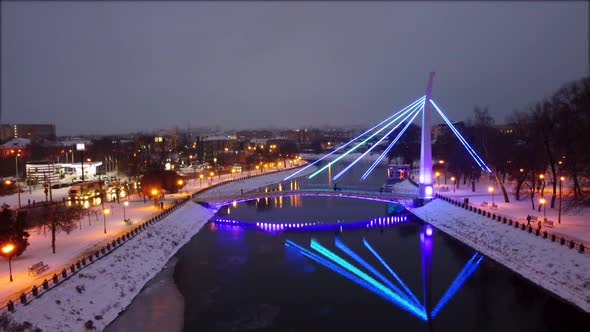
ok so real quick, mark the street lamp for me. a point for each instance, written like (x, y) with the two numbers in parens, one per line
(7, 251)
(542, 201)
(453, 179)
(105, 211)
(154, 193)
(81, 147)
(17, 183)
(442, 162)
(201, 176)
(491, 190)
(437, 174)
(125, 204)
(561, 179)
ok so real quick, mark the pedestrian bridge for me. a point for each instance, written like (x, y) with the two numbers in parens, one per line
(404, 198)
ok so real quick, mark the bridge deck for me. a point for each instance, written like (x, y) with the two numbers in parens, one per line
(362, 194)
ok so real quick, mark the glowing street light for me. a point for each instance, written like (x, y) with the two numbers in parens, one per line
(491, 190)
(201, 176)
(454, 184)
(542, 201)
(7, 250)
(437, 174)
(125, 204)
(561, 179)
(105, 211)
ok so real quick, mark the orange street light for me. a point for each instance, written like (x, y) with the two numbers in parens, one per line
(7, 250)
(561, 179)
(491, 190)
(454, 184)
(154, 192)
(542, 201)
(180, 182)
(522, 170)
(541, 176)
(7, 182)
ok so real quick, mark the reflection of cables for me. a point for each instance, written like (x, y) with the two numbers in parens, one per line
(340, 245)
(468, 147)
(463, 275)
(416, 109)
(399, 280)
(374, 165)
(354, 139)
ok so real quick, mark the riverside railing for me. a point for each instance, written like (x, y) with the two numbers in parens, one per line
(579, 246)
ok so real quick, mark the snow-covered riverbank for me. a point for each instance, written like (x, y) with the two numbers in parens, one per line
(563, 271)
(95, 296)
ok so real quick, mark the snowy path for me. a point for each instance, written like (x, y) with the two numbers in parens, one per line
(103, 289)
(556, 268)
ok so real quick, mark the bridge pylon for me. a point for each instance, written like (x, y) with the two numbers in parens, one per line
(425, 190)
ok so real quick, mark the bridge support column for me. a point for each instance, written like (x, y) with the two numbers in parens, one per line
(425, 177)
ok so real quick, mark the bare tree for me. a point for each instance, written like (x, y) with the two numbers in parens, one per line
(58, 217)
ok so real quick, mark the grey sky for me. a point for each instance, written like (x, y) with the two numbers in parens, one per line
(116, 67)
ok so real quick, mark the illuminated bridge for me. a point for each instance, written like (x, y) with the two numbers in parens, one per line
(401, 198)
(381, 131)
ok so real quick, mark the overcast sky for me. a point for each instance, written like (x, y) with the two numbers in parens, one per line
(98, 68)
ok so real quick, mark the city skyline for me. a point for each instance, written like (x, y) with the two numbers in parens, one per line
(112, 68)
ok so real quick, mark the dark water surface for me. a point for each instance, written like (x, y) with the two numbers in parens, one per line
(245, 279)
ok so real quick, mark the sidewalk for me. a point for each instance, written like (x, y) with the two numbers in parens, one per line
(575, 223)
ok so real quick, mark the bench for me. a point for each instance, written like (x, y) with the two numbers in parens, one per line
(548, 223)
(37, 268)
(484, 203)
(534, 218)
(494, 206)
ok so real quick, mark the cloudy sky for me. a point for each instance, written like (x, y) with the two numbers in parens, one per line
(117, 67)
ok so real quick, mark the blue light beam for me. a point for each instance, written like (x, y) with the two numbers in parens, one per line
(471, 151)
(401, 302)
(416, 109)
(390, 146)
(340, 245)
(395, 276)
(354, 139)
(350, 276)
(401, 113)
(465, 273)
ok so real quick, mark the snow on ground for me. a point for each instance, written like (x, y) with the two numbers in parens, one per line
(103, 289)
(575, 222)
(125, 271)
(86, 239)
(557, 268)
(405, 187)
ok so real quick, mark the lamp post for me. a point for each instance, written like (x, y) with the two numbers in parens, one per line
(542, 201)
(17, 183)
(442, 162)
(105, 211)
(201, 176)
(125, 204)
(561, 179)
(437, 174)
(7, 251)
(154, 193)
(491, 190)
(180, 182)
(453, 179)
(81, 147)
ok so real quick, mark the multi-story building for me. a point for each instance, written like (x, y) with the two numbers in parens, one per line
(31, 131)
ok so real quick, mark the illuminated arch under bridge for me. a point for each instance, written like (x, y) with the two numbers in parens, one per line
(379, 132)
